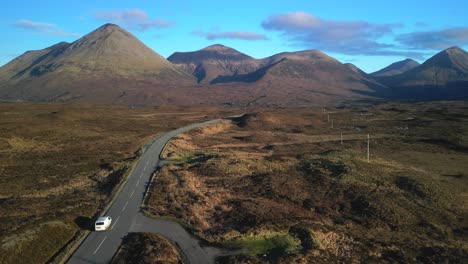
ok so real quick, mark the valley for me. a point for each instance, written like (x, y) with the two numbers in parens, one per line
(308, 159)
(272, 185)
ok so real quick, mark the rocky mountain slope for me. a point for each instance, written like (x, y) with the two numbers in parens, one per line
(94, 66)
(443, 76)
(213, 61)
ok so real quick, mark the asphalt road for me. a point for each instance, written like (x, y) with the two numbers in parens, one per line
(100, 247)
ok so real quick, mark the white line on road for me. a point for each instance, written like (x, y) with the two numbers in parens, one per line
(132, 193)
(137, 183)
(141, 174)
(125, 206)
(99, 245)
(115, 222)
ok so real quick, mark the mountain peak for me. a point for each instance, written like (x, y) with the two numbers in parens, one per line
(454, 51)
(107, 42)
(314, 54)
(108, 28)
(217, 47)
(216, 60)
(109, 25)
(396, 68)
(108, 49)
(453, 57)
(225, 51)
(214, 52)
(455, 48)
(307, 55)
(408, 60)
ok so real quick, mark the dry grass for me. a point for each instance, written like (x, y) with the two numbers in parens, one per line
(60, 164)
(278, 169)
(144, 248)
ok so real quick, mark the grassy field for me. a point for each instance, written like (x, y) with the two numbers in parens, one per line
(59, 165)
(272, 177)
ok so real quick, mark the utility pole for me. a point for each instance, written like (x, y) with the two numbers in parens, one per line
(368, 147)
(328, 116)
(341, 138)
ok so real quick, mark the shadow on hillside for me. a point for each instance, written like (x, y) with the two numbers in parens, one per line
(451, 91)
(245, 78)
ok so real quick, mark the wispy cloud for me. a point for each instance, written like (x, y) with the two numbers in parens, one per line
(132, 19)
(439, 39)
(43, 28)
(251, 36)
(345, 37)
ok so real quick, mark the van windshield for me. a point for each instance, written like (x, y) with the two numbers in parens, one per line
(100, 223)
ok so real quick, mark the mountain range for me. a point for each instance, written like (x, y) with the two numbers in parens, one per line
(110, 65)
(443, 76)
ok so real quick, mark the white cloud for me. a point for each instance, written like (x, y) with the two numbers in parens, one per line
(132, 19)
(43, 28)
(437, 39)
(353, 37)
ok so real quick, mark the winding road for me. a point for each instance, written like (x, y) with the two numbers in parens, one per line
(100, 247)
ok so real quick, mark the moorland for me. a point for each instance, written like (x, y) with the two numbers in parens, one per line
(295, 185)
(61, 164)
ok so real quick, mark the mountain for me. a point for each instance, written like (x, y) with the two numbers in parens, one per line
(291, 78)
(447, 66)
(301, 66)
(110, 65)
(355, 68)
(396, 68)
(443, 76)
(304, 77)
(213, 61)
(97, 66)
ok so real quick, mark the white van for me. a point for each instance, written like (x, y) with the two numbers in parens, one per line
(102, 223)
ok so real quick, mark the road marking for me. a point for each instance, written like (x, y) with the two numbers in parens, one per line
(99, 245)
(137, 183)
(132, 193)
(125, 206)
(115, 222)
(141, 175)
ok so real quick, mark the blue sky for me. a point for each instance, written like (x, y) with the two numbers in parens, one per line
(369, 34)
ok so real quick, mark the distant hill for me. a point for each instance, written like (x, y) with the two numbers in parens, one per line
(443, 76)
(213, 61)
(396, 68)
(305, 77)
(94, 67)
(447, 66)
(308, 76)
